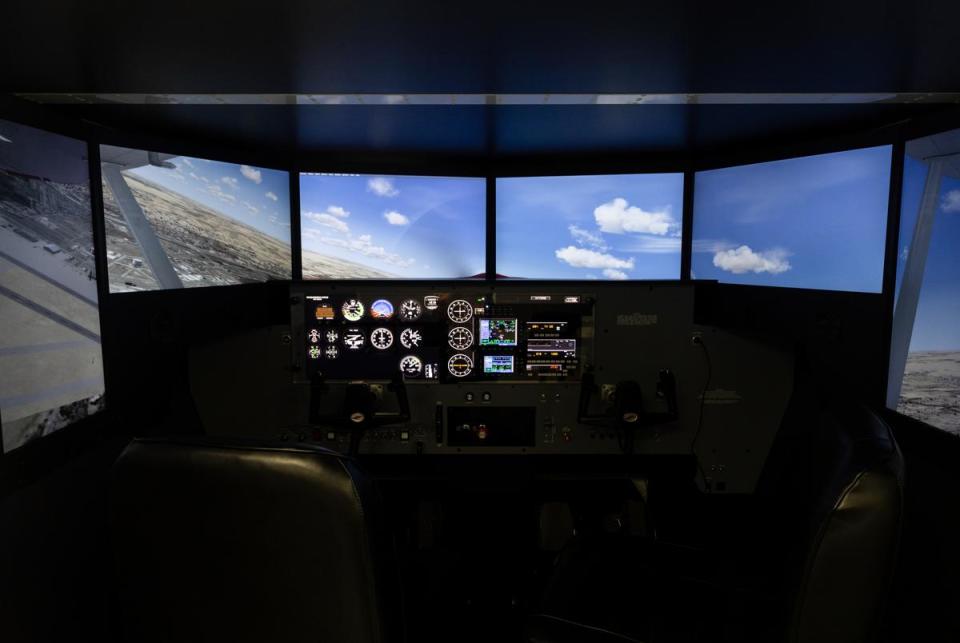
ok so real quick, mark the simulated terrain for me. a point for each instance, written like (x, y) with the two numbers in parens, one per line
(206, 247)
(931, 389)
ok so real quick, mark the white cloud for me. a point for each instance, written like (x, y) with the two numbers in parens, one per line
(186, 161)
(382, 187)
(251, 207)
(204, 179)
(364, 245)
(217, 191)
(193, 175)
(743, 259)
(711, 245)
(276, 221)
(619, 217)
(229, 180)
(251, 173)
(951, 201)
(587, 238)
(610, 273)
(337, 211)
(395, 218)
(584, 258)
(653, 245)
(271, 196)
(328, 220)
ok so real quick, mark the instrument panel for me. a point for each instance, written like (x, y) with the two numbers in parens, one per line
(442, 336)
(633, 353)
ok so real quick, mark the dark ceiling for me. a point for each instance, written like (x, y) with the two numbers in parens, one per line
(503, 47)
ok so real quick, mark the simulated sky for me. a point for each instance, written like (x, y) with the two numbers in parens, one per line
(618, 226)
(937, 323)
(810, 222)
(405, 226)
(255, 196)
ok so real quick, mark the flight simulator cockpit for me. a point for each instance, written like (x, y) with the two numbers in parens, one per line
(359, 397)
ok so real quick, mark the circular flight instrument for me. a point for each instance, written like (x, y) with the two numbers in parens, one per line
(410, 310)
(460, 365)
(331, 352)
(332, 336)
(381, 338)
(411, 338)
(381, 309)
(411, 366)
(353, 339)
(460, 338)
(460, 311)
(352, 310)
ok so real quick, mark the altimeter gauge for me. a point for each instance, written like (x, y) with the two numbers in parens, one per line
(410, 310)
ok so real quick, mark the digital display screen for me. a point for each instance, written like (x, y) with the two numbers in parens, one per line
(557, 347)
(811, 222)
(498, 332)
(495, 364)
(356, 226)
(924, 381)
(51, 363)
(610, 227)
(182, 222)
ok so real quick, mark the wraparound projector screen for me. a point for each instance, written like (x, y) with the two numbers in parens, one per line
(612, 226)
(51, 363)
(183, 222)
(357, 226)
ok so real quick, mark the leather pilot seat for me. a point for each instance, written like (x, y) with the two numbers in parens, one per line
(835, 508)
(234, 541)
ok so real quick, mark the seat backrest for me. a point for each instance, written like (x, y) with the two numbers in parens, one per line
(854, 528)
(230, 541)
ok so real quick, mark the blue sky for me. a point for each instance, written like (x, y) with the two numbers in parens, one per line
(937, 324)
(809, 222)
(407, 226)
(617, 226)
(255, 196)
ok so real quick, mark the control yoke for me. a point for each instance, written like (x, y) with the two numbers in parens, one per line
(358, 411)
(627, 414)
